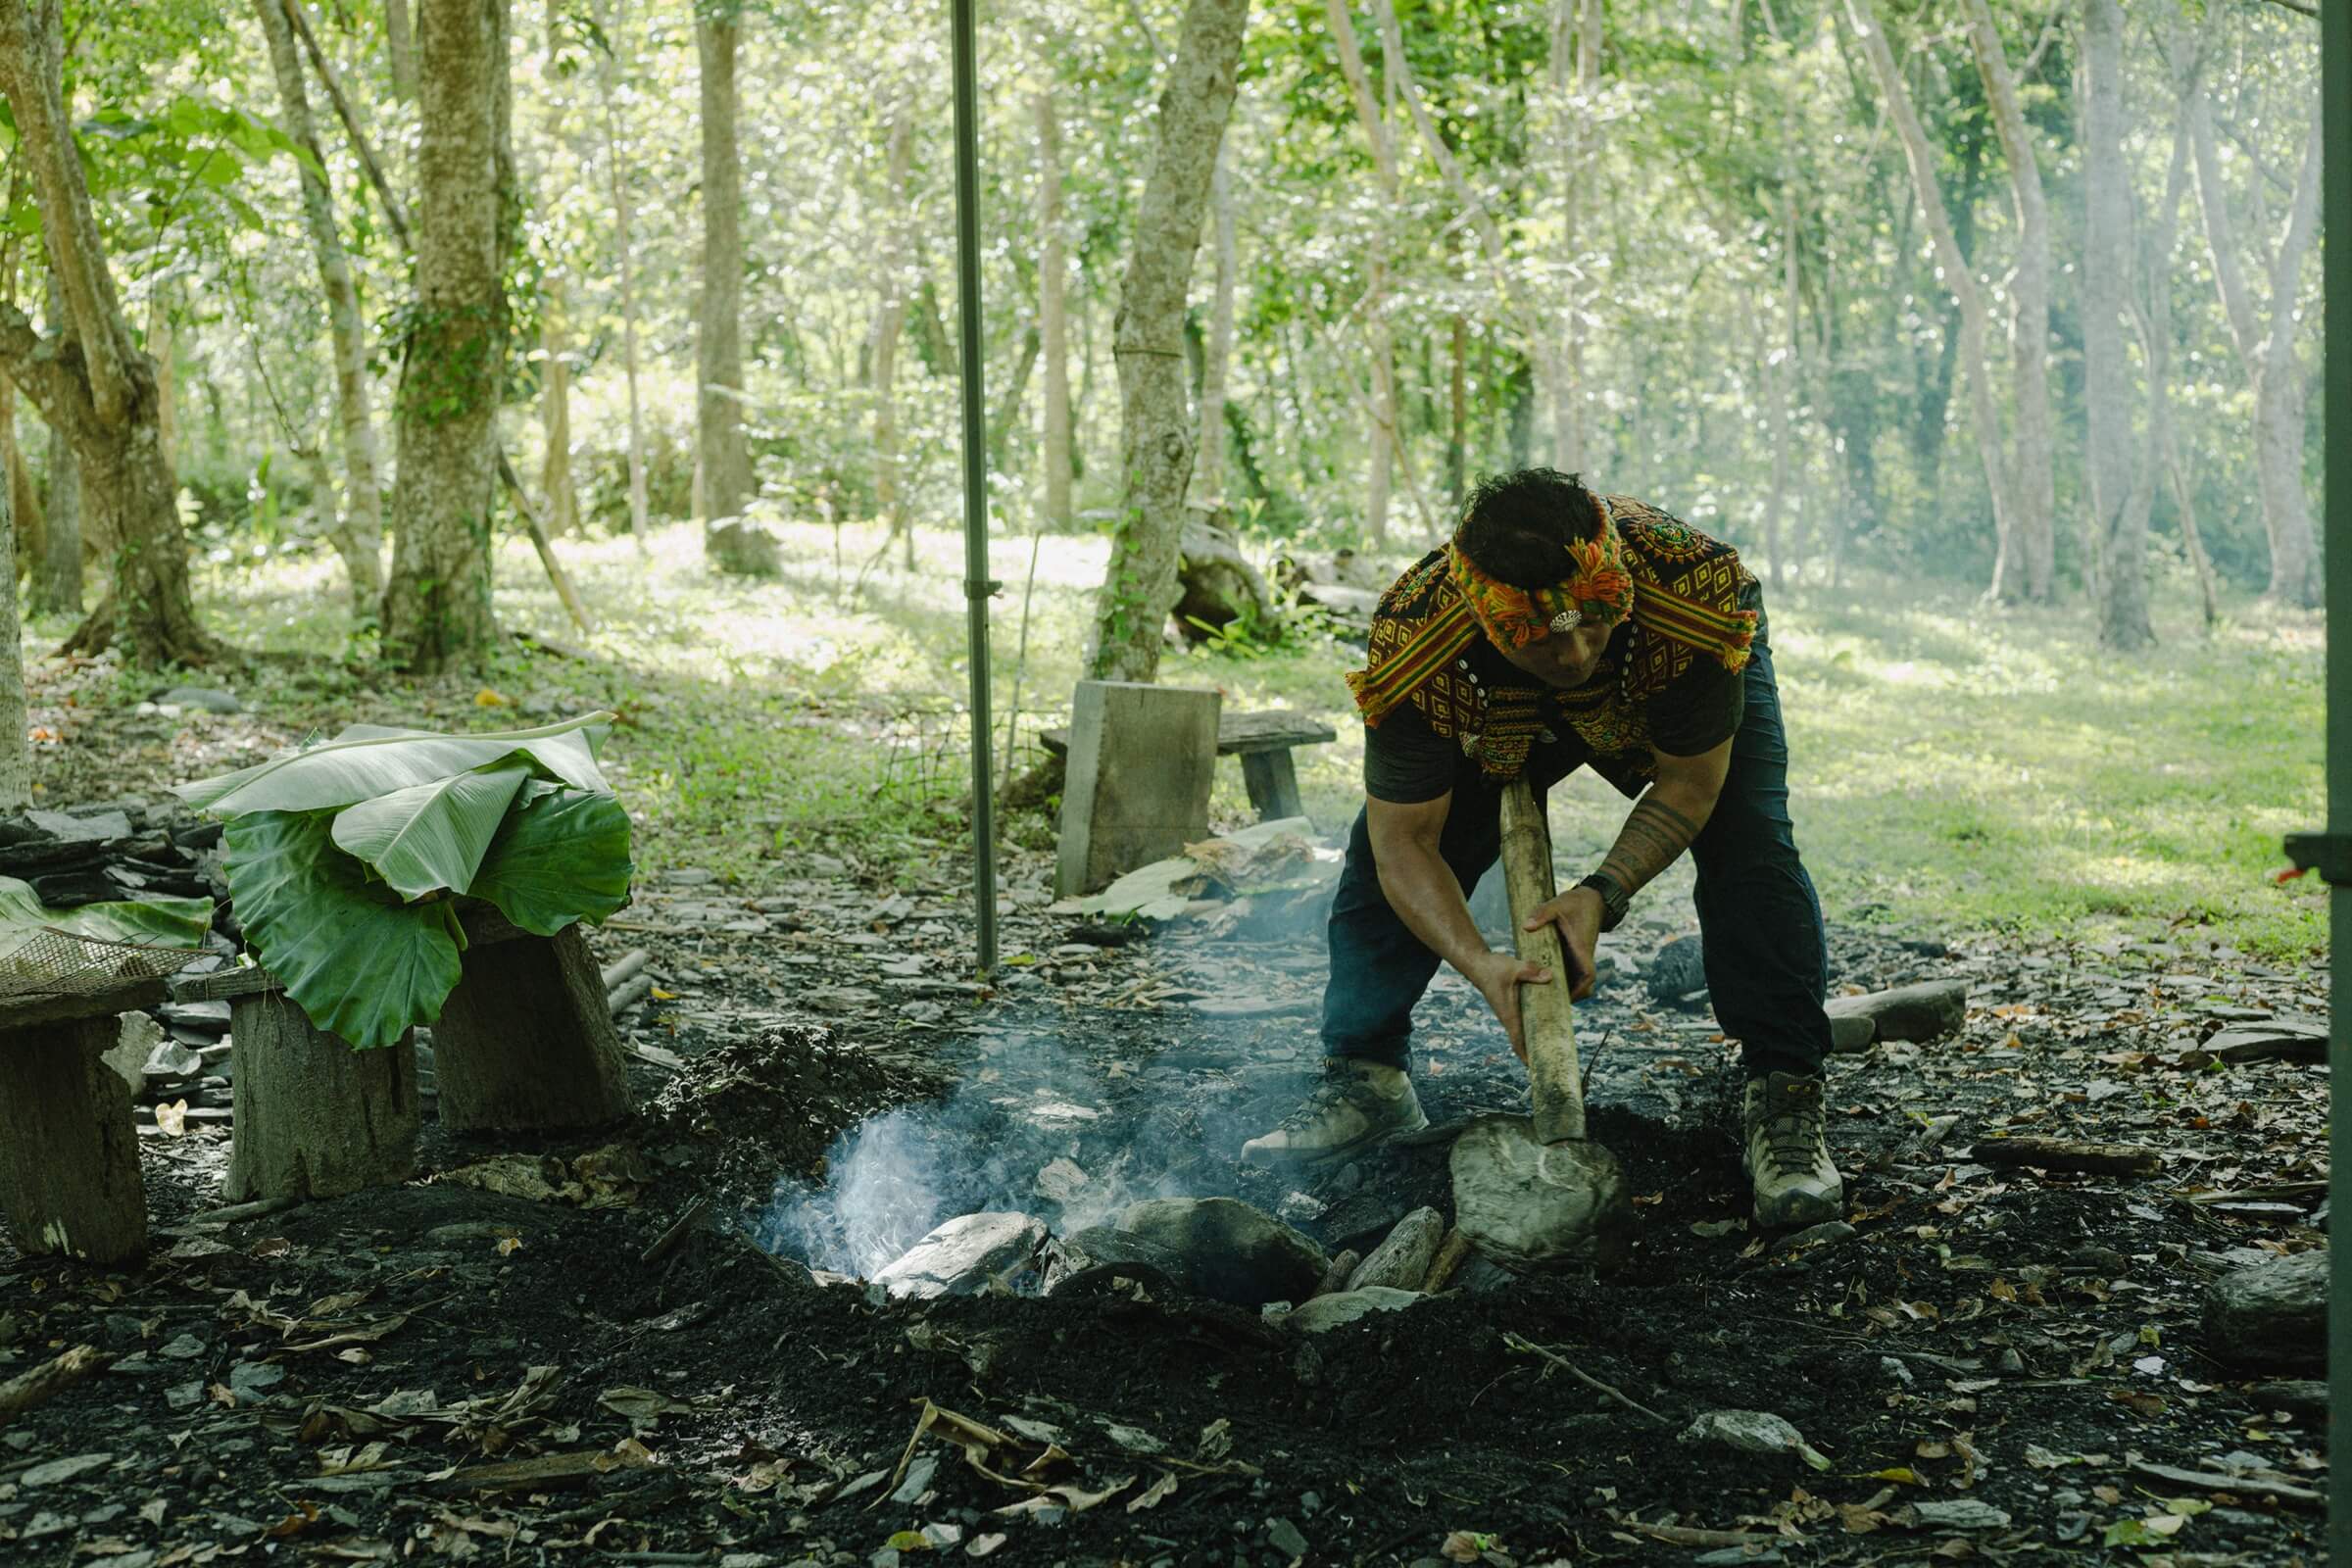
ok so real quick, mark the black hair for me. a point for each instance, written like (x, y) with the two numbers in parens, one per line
(1517, 526)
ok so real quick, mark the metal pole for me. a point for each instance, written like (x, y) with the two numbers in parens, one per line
(2335, 112)
(977, 585)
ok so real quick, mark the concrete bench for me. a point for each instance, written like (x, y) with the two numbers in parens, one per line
(68, 1148)
(1263, 742)
(524, 1040)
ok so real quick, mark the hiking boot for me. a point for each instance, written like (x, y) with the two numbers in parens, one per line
(1788, 1157)
(1357, 1104)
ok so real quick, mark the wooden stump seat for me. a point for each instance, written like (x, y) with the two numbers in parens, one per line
(524, 1040)
(68, 1148)
(1263, 742)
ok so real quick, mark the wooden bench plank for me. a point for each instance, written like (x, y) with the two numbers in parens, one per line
(130, 995)
(1239, 734)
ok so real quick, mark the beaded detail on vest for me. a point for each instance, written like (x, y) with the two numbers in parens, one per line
(1687, 593)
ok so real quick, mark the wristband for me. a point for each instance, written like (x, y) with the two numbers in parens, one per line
(1614, 900)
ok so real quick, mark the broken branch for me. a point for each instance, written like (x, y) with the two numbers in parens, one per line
(1529, 1347)
(2058, 1154)
(50, 1378)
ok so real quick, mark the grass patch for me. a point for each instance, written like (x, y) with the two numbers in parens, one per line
(1960, 768)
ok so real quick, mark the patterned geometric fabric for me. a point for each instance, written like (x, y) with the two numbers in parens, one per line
(1687, 593)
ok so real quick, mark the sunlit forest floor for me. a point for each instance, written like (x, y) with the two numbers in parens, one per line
(1959, 769)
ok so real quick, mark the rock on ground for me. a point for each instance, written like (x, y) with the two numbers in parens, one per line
(2271, 1314)
(1926, 1010)
(1401, 1262)
(1747, 1431)
(1102, 1246)
(1327, 1312)
(1231, 1252)
(961, 1257)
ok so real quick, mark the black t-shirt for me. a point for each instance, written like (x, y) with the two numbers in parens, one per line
(1406, 763)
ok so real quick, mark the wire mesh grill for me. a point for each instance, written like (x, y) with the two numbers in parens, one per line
(50, 962)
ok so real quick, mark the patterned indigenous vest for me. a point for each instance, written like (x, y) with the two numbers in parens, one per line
(1687, 593)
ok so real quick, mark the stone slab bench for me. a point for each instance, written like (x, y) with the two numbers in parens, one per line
(1263, 741)
(68, 1147)
(524, 1040)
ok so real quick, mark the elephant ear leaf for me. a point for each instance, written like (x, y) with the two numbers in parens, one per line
(561, 856)
(360, 962)
(431, 837)
(368, 761)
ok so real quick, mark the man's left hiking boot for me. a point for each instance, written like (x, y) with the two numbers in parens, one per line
(1787, 1153)
(1357, 1105)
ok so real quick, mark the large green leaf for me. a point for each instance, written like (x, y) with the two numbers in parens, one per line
(430, 837)
(562, 854)
(367, 761)
(361, 963)
(157, 919)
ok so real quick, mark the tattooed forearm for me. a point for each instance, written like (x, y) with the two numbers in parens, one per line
(1654, 833)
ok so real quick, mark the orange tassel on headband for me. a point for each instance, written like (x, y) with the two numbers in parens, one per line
(1601, 593)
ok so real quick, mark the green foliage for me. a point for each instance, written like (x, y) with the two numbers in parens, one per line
(344, 861)
(157, 919)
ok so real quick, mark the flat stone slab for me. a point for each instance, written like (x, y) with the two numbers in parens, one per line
(961, 1256)
(2271, 1314)
(1926, 1010)
(1231, 1252)
(1327, 1312)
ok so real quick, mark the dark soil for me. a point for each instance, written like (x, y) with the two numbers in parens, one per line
(337, 1382)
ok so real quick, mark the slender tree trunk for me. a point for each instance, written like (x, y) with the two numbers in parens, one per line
(165, 352)
(92, 381)
(1921, 158)
(363, 516)
(1457, 434)
(2267, 354)
(2119, 501)
(1573, 76)
(723, 460)
(2034, 474)
(402, 46)
(624, 240)
(554, 405)
(57, 580)
(1009, 398)
(437, 606)
(890, 324)
(1052, 316)
(16, 750)
(1208, 467)
(1381, 437)
(1139, 588)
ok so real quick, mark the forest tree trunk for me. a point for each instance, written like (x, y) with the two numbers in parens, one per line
(1381, 438)
(56, 579)
(624, 243)
(1139, 587)
(1053, 315)
(722, 458)
(1208, 466)
(1921, 158)
(2033, 474)
(92, 381)
(401, 46)
(555, 412)
(2119, 518)
(2268, 354)
(437, 606)
(890, 324)
(362, 520)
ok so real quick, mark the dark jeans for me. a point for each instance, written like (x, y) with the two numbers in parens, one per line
(1759, 921)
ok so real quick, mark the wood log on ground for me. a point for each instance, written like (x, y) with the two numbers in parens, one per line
(525, 1039)
(1450, 1253)
(311, 1117)
(622, 967)
(1334, 1278)
(2271, 1314)
(2059, 1153)
(1219, 584)
(68, 1149)
(39, 1384)
(2255, 1487)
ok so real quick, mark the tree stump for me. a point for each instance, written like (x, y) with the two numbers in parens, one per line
(68, 1149)
(313, 1117)
(525, 1040)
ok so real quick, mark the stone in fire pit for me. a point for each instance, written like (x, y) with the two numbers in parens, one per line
(961, 1256)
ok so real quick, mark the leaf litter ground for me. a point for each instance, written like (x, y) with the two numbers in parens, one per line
(450, 1370)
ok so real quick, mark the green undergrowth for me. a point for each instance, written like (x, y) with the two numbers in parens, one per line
(1955, 767)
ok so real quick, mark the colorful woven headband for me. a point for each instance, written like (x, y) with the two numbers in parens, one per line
(1601, 593)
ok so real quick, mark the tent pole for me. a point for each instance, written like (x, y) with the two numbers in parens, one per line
(2332, 858)
(977, 585)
